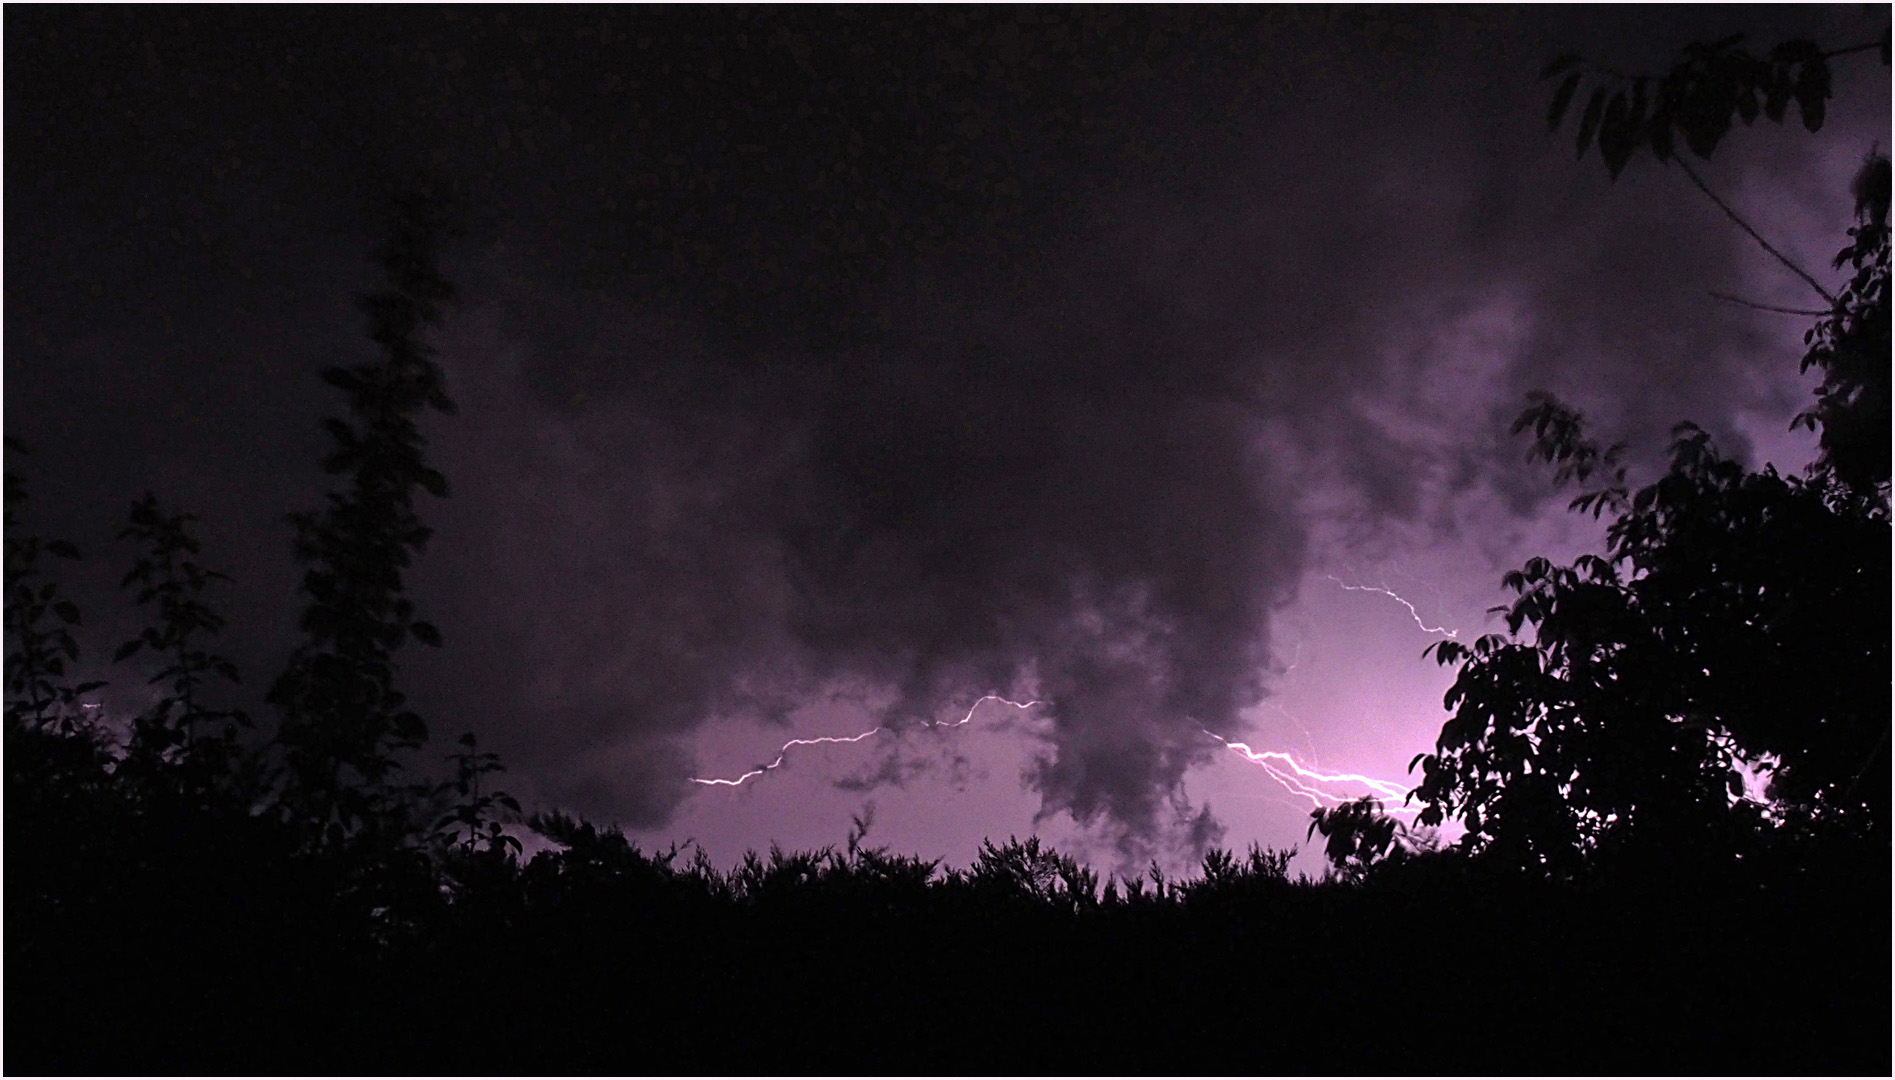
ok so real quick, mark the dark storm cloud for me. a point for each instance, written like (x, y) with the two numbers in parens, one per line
(956, 511)
(877, 353)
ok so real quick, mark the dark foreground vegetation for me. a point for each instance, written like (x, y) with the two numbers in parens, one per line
(192, 890)
(601, 960)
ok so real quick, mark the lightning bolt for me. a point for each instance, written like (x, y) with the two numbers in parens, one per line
(828, 739)
(1385, 591)
(1281, 766)
(1306, 783)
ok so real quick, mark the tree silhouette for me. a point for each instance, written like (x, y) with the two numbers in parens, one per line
(38, 650)
(1736, 620)
(1851, 346)
(182, 743)
(1355, 835)
(344, 722)
(57, 756)
(1698, 98)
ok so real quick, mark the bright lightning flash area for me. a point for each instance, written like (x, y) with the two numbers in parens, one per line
(1386, 591)
(1318, 787)
(1281, 766)
(826, 739)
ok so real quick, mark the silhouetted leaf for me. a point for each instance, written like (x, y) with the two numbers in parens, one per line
(1558, 64)
(1812, 92)
(1660, 131)
(1561, 99)
(1616, 139)
(1796, 51)
(1777, 94)
(1589, 122)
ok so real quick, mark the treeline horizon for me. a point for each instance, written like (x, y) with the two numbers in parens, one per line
(194, 889)
(195, 954)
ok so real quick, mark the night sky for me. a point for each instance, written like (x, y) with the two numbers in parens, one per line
(820, 370)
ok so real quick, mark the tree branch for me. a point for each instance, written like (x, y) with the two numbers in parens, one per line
(1866, 762)
(1624, 76)
(1745, 225)
(1845, 51)
(1768, 307)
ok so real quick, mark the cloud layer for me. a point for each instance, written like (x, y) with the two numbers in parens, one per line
(911, 362)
